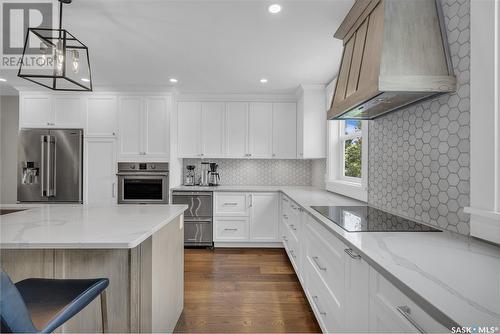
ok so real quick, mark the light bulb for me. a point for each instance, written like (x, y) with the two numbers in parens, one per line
(76, 58)
(59, 57)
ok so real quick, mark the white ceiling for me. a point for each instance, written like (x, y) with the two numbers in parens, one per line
(209, 46)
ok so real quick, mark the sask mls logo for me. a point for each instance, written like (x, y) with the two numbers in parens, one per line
(17, 17)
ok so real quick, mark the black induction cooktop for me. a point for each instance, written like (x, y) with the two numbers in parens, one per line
(369, 219)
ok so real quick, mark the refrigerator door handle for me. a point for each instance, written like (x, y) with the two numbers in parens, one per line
(51, 157)
(43, 140)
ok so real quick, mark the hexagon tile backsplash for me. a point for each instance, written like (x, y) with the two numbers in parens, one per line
(419, 156)
(259, 172)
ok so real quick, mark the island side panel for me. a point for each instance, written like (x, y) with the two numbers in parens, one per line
(20, 264)
(107, 263)
(168, 276)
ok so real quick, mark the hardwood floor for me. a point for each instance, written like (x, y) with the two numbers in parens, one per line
(243, 291)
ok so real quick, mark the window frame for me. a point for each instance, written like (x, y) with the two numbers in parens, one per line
(342, 139)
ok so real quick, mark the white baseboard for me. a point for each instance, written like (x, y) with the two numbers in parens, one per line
(243, 244)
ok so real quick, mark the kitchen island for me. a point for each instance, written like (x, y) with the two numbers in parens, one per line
(140, 248)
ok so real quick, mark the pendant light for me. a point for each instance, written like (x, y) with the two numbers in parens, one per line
(61, 61)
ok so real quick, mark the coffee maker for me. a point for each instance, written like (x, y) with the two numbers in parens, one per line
(189, 178)
(213, 176)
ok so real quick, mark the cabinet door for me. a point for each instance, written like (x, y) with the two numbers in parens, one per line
(260, 118)
(68, 111)
(264, 216)
(130, 118)
(300, 128)
(189, 129)
(236, 129)
(36, 111)
(212, 129)
(102, 116)
(100, 169)
(157, 129)
(284, 130)
(357, 283)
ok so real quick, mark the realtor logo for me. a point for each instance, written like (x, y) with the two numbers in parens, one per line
(17, 17)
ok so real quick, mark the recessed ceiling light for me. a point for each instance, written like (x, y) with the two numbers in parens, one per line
(85, 80)
(263, 80)
(274, 8)
(173, 80)
(3, 80)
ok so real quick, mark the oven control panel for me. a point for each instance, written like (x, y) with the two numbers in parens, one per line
(143, 166)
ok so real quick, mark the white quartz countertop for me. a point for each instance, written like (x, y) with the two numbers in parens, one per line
(454, 278)
(82, 226)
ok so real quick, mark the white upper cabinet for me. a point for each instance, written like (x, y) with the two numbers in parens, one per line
(284, 130)
(260, 120)
(130, 126)
(68, 111)
(44, 110)
(100, 169)
(101, 116)
(36, 111)
(212, 132)
(311, 122)
(189, 129)
(236, 127)
(143, 128)
(264, 216)
(157, 125)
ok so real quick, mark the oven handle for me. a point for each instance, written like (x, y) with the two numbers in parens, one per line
(142, 174)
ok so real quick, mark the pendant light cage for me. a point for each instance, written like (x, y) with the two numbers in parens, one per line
(56, 59)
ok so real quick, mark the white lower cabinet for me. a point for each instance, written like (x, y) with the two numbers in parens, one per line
(100, 169)
(247, 217)
(391, 311)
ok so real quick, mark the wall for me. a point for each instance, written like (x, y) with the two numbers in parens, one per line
(419, 156)
(9, 124)
(259, 171)
(318, 170)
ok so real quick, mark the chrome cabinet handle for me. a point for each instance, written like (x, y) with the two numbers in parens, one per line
(230, 229)
(284, 199)
(285, 239)
(292, 226)
(315, 300)
(251, 200)
(285, 216)
(113, 193)
(293, 253)
(351, 254)
(231, 204)
(406, 313)
(318, 264)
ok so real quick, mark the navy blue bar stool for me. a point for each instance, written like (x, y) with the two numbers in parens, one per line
(39, 305)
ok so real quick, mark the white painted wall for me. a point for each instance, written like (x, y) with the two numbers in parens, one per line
(9, 124)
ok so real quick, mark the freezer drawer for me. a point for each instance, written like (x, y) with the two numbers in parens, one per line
(199, 203)
(198, 233)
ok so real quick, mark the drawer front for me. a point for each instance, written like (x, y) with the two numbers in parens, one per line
(327, 309)
(231, 229)
(231, 204)
(391, 311)
(327, 259)
(292, 248)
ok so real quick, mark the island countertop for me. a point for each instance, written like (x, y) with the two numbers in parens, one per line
(52, 226)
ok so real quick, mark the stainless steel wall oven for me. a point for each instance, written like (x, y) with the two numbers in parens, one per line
(143, 183)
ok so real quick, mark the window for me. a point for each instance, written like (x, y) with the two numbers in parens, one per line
(347, 158)
(351, 148)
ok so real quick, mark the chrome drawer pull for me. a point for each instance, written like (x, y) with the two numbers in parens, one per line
(285, 216)
(284, 199)
(293, 253)
(231, 204)
(284, 238)
(293, 227)
(351, 254)
(230, 229)
(315, 300)
(406, 313)
(316, 260)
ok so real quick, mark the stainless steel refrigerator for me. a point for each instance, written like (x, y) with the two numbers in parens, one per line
(50, 165)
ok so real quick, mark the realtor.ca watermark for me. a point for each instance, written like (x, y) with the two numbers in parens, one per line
(476, 329)
(17, 17)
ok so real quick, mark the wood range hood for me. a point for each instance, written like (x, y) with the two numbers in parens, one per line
(395, 53)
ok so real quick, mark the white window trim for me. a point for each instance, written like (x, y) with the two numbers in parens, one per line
(485, 121)
(335, 180)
